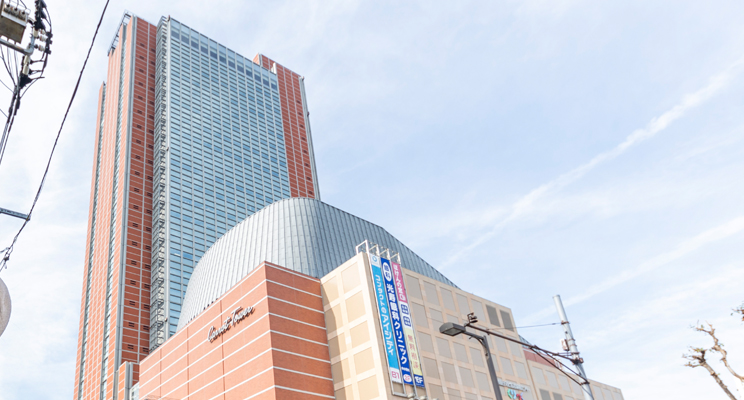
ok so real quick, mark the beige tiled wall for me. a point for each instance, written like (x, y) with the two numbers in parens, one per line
(550, 384)
(454, 367)
(608, 392)
(354, 339)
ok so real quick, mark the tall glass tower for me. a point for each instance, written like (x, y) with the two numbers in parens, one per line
(191, 139)
(225, 146)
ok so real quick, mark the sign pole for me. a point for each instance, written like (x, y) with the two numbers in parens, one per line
(13, 213)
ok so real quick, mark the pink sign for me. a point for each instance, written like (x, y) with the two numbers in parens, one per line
(398, 279)
(405, 312)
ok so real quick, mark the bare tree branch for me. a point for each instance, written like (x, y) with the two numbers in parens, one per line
(739, 310)
(718, 347)
(696, 358)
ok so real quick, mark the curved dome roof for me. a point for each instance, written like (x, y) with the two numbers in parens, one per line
(302, 234)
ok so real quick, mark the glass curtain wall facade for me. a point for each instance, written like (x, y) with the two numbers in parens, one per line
(220, 155)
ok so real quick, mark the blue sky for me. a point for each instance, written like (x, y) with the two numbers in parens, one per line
(524, 148)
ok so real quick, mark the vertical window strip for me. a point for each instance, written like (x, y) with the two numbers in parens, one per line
(112, 226)
(91, 247)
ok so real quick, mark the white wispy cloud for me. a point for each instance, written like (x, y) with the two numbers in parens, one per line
(720, 232)
(526, 204)
(656, 328)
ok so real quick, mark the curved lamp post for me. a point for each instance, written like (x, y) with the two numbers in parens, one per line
(452, 329)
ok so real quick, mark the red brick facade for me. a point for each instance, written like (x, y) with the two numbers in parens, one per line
(280, 351)
(300, 163)
(119, 227)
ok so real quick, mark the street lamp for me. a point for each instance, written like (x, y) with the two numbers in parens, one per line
(452, 329)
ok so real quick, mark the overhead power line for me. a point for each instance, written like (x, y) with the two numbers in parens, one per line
(525, 327)
(9, 249)
(535, 326)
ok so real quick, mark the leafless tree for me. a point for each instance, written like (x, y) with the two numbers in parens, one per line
(696, 356)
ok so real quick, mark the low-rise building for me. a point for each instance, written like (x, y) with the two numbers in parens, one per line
(304, 301)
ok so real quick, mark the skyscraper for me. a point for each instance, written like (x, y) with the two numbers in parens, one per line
(231, 136)
(191, 139)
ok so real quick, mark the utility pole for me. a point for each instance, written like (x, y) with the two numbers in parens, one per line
(15, 20)
(575, 358)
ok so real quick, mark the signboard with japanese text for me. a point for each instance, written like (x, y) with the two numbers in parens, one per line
(388, 334)
(405, 313)
(397, 322)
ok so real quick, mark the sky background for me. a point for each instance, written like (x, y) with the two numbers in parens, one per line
(524, 148)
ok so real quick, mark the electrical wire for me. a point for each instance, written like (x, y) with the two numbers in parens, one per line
(9, 249)
(529, 326)
(6, 86)
(535, 326)
(9, 62)
(6, 60)
(14, 102)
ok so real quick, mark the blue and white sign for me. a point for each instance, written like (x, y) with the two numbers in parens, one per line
(388, 335)
(395, 317)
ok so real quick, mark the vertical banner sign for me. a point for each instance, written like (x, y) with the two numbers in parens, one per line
(405, 316)
(395, 317)
(387, 330)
